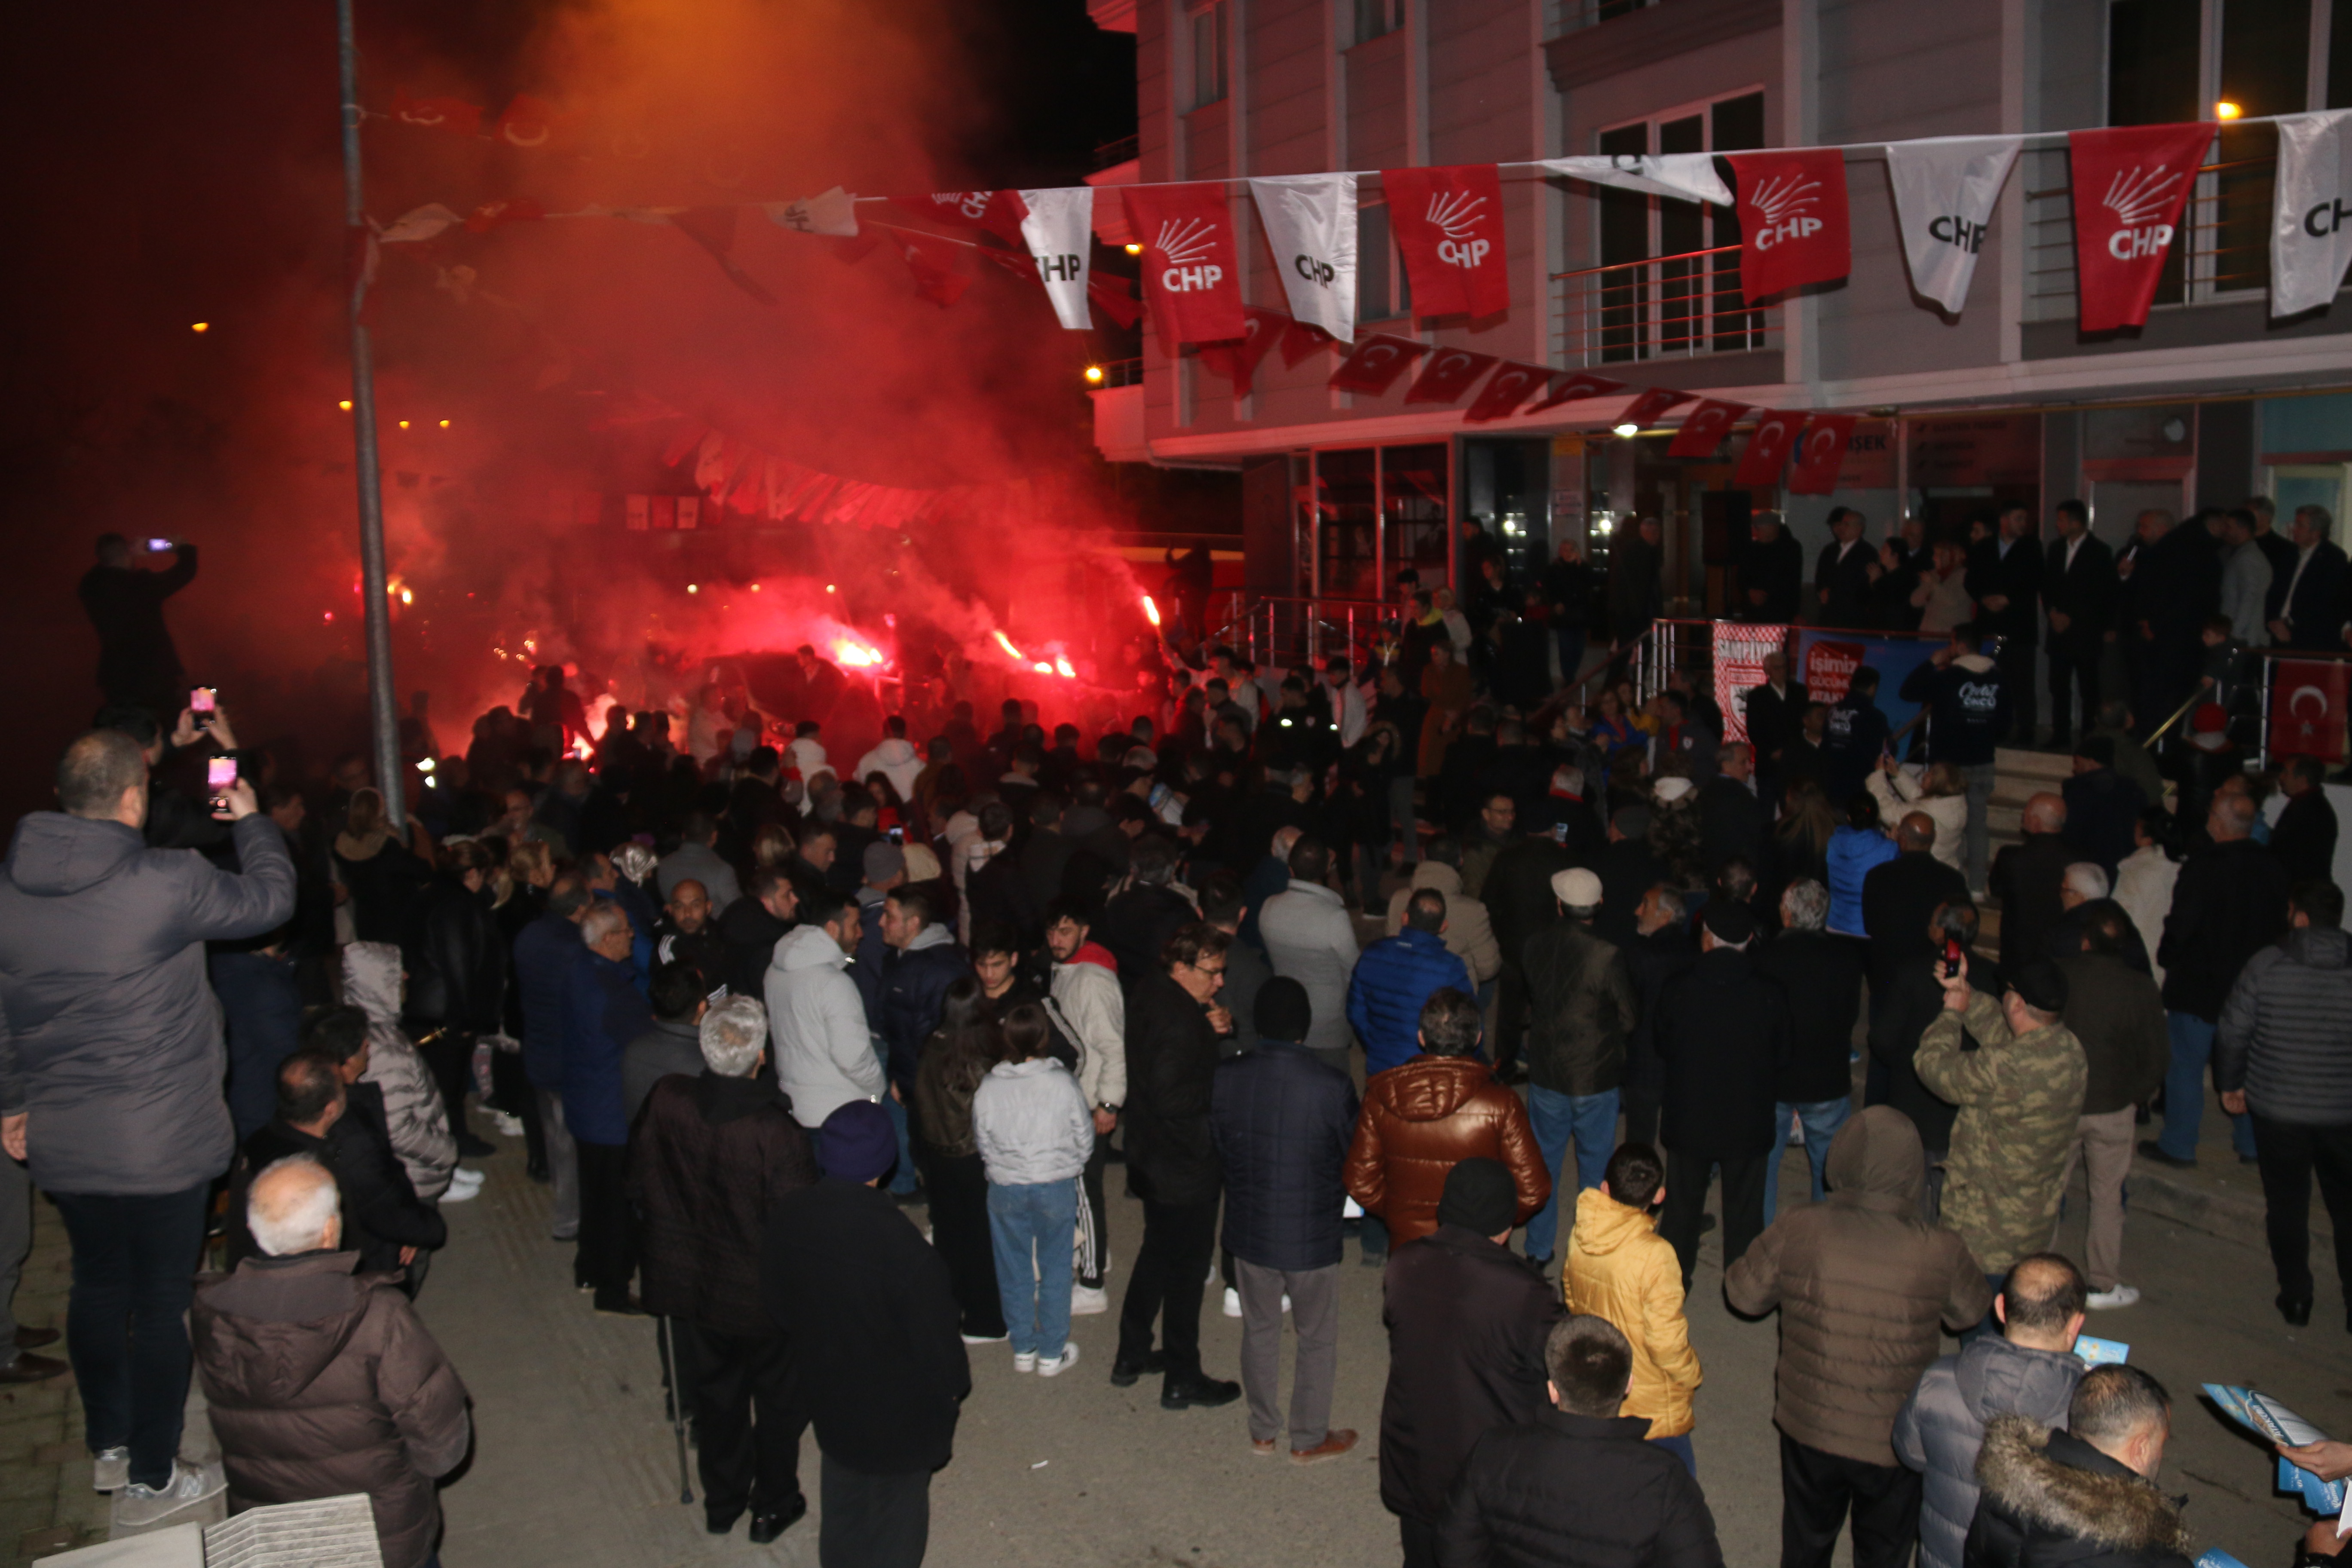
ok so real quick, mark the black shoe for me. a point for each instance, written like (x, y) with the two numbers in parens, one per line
(1124, 1372)
(619, 1307)
(719, 1523)
(1208, 1392)
(2296, 1313)
(766, 1527)
(2149, 1149)
(1540, 1265)
(472, 1148)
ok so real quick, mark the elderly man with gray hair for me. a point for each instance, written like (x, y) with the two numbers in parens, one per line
(1822, 976)
(603, 1011)
(322, 1381)
(709, 1158)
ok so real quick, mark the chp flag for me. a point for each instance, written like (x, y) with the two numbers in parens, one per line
(1792, 219)
(1448, 225)
(1821, 451)
(1685, 176)
(1310, 223)
(2311, 227)
(2130, 184)
(2307, 707)
(1945, 190)
(1058, 230)
(1190, 278)
(1702, 430)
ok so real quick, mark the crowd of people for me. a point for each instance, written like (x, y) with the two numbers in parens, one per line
(826, 1069)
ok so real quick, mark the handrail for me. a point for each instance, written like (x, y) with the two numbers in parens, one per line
(1645, 262)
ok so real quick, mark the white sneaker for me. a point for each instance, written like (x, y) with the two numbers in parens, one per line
(507, 1126)
(1024, 1361)
(1286, 1302)
(1232, 1302)
(190, 1484)
(109, 1469)
(984, 1338)
(1086, 1301)
(2120, 1295)
(1055, 1366)
(466, 1176)
(462, 1192)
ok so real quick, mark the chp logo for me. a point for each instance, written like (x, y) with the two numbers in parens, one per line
(1958, 231)
(1781, 201)
(2139, 196)
(1184, 246)
(1312, 217)
(2326, 218)
(1454, 214)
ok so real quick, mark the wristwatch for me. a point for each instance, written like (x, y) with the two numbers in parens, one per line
(1104, 1105)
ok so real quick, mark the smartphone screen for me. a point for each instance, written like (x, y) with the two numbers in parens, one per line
(1951, 957)
(219, 773)
(897, 835)
(160, 547)
(203, 700)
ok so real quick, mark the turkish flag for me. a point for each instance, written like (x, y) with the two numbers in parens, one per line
(1190, 279)
(438, 113)
(1115, 298)
(534, 122)
(1374, 365)
(1704, 429)
(1571, 386)
(1301, 339)
(1448, 225)
(2130, 184)
(1238, 361)
(1820, 454)
(935, 264)
(1645, 409)
(1504, 391)
(1448, 376)
(996, 211)
(1792, 219)
(1767, 450)
(2307, 707)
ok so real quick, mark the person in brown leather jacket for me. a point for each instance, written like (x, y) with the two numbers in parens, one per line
(1424, 1117)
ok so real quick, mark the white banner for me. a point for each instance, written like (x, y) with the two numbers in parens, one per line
(1686, 176)
(1058, 232)
(1944, 188)
(2311, 227)
(834, 213)
(1310, 222)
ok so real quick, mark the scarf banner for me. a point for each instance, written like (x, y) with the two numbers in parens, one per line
(1504, 391)
(1654, 402)
(1944, 188)
(2130, 185)
(1792, 219)
(2311, 227)
(1059, 234)
(1685, 176)
(1190, 279)
(1448, 376)
(1571, 386)
(1767, 450)
(1374, 365)
(993, 212)
(1704, 429)
(1448, 225)
(1310, 222)
(1820, 454)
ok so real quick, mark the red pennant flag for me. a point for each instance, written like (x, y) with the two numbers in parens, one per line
(534, 122)
(997, 212)
(934, 264)
(2130, 184)
(1449, 374)
(1448, 225)
(1238, 361)
(1116, 299)
(1646, 409)
(1190, 279)
(1792, 219)
(1767, 450)
(1820, 454)
(453, 114)
(1572, 386)
(1302, 339)
(1704, 429)
(1374, 365)
(1020, 263)
(1504, 391)
(513, 209)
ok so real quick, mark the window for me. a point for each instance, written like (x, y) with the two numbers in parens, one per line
(1376, 17)
(1682, 306)
(1382, 291)
(1212, 47)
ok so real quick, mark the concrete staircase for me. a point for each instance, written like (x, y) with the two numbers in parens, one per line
(2019, 775)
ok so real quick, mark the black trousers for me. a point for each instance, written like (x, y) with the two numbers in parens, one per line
(1171, 1269)
(607, 1258)
(958, 1186)
(1816, 1490)
(872, 1521)
(1093, 1222)
(2289, 1154)
(1510, 1013)
(2069, 676)
(1641, 1108)
(1743, 1205)
(2016, 666)
(450, 1053)
(1419, 1542)
(747, 1427)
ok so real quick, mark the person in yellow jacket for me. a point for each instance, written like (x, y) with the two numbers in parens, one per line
(1620, 1268)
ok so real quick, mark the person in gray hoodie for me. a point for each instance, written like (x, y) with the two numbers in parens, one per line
(415, 1117)
(111, 1062)
(2030, 1369)
(1035, 1134)
(824, 1055)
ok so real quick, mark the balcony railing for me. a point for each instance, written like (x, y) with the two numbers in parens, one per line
(1111, 154)
(2223, 252)
(1570, 15)
(1669, 307)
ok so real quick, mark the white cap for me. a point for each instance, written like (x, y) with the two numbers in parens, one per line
(1669, 790)
(1578, 889)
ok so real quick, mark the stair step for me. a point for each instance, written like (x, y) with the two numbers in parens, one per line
(2017, 762)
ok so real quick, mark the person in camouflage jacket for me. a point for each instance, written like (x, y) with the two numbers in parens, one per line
(2020, 1097)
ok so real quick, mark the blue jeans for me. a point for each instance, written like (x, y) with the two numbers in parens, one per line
(2184, 1090)
(135, 1262)
(1043, 1216)
(902, 1180)
(1680, 1446)
(1821, 1118)
(1591, 1120)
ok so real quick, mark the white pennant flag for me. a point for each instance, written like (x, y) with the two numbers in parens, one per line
(1310, 222)
(1059, 233)
(2311, 240)
(1944, 188)
(1686, 176)
(835, 212)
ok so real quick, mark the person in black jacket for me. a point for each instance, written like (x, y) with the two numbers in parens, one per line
(1467, 1325)
(751, 927)
(2005, 579)
(2303, 839)
(1771, 571)
(873, 1354)
(1138, 922)
(2079, 584)
(1518, 897)
(2027, 880)
(457, 980)
(1853, 737)
(1658, 951)
(1774, 711)
(1898, 895)
(2102, 806)
(1579, 1486)
(1732, 819)
(2084, 1496)
(1281, 1120)
(2305, 599)
(136, 660)
(1568, 604)
(1822, 977)
(1174, 1026)
(1628, 870)
(1843, 573)
(1900, 1013)
(2176, 583)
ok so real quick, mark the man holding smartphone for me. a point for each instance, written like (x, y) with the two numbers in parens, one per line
(136, 661)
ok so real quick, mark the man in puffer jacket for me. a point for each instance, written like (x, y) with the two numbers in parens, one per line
(2085, 1497)
(414, 1111)
(2030, 1369)
(1395, 976)
(1862, 1283)
(825, 1057)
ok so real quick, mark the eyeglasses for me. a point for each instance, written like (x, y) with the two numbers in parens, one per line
(1204, 969)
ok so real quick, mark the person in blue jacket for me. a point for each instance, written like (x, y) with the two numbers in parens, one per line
(1854, 849)
(1396, 976)
(603, 1011)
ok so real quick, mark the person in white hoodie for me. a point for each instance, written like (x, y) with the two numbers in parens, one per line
(1089, 1009)
(824, 1053)
(1035, 1133)
(895, 759)
(413, 1112)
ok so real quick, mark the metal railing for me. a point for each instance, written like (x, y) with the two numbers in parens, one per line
(1298, 633)
(2223, 253)
(1117, 373)
(1572, 15)
(1667, 307)
(1112, 154)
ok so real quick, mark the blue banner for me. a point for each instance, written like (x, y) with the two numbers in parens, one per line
(1827, 658)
